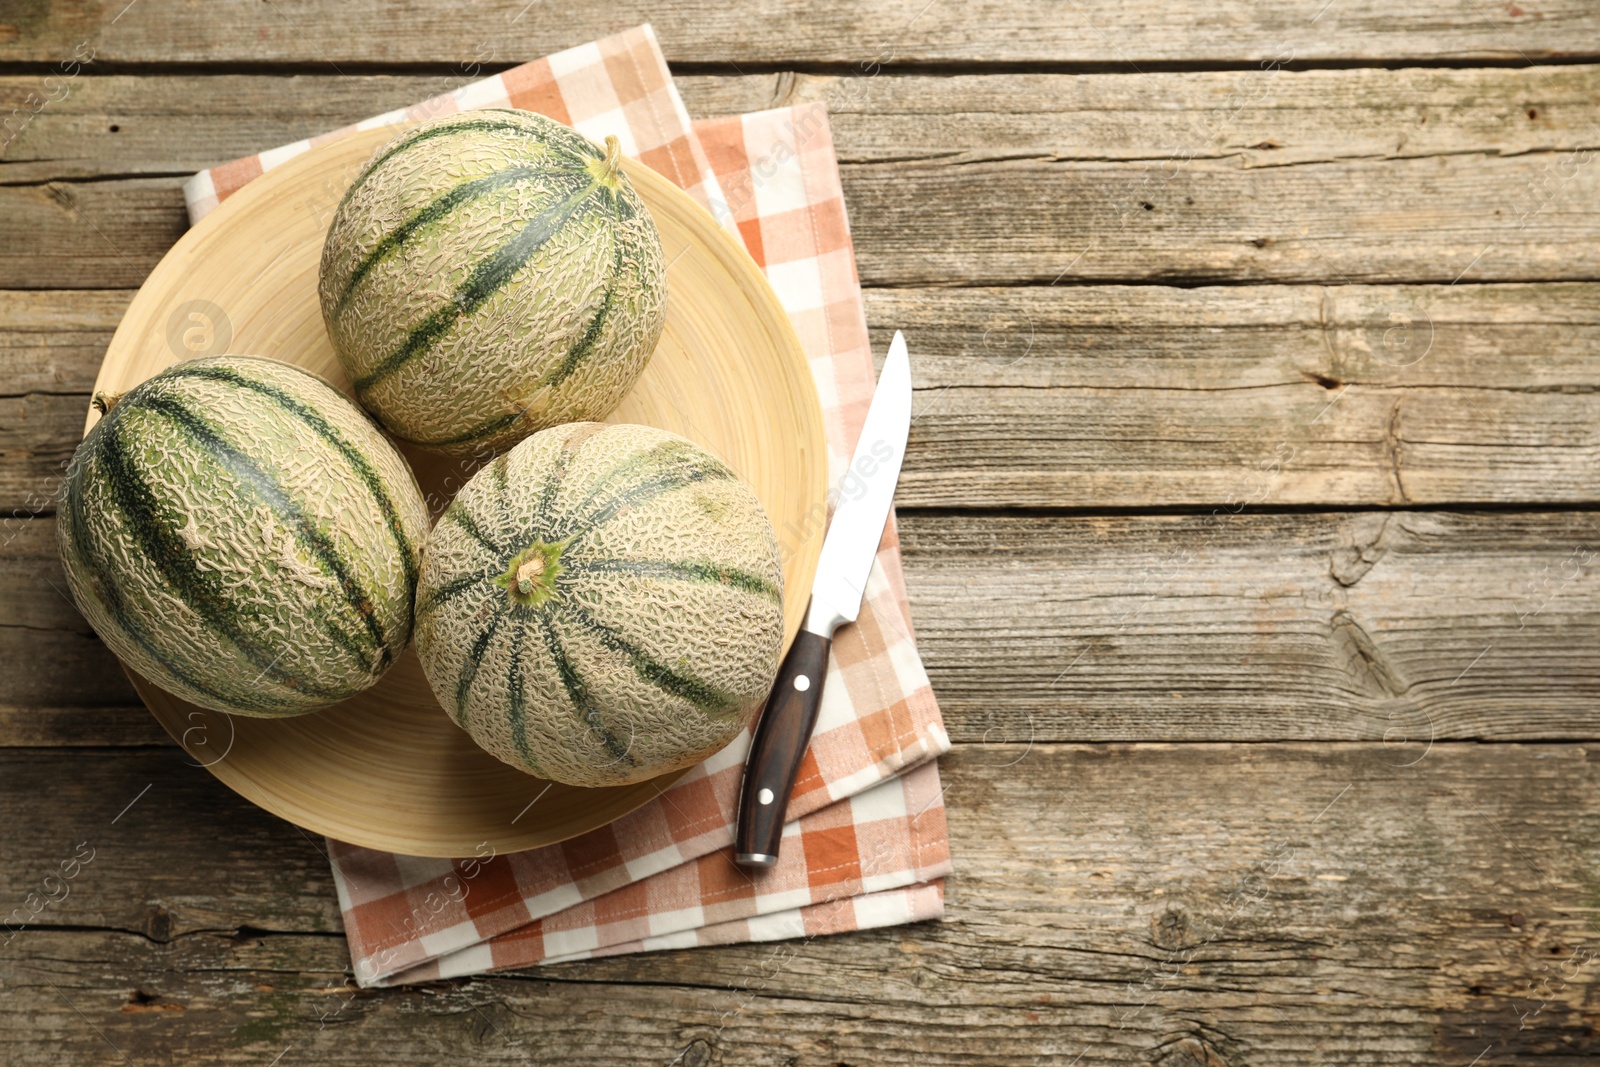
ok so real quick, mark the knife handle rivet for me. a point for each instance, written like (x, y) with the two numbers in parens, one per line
(765, 796)
(802, 683)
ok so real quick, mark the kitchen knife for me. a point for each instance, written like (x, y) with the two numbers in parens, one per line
(859, 515)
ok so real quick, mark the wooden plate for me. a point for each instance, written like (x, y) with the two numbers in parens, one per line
(388, 769)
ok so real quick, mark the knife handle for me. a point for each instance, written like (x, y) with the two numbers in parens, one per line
(779, 745)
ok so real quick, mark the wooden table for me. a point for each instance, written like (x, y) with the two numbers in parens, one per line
(1249, 522)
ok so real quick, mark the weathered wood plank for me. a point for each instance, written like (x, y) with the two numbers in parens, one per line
(64, 687)
(1423, 901)
(99, 234)
(1097, 32)
(173, 124)
(1321, 176)
(1262, 118)
(1433, 219)
(38, 432)
(52, 342)
(1418, 914)
(1090, 396)
(1408, 626)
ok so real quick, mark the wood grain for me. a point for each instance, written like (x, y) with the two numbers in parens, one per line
(1259, 117)
(1095, 32)
(1100, 396)
(1281, 904)
(1246, 627)
(1371, 870)
(171, 125)
(1433, 219)
(1329, 177)
(60, 234)
(52, 342)
(1091, 397)
(70, 690)
(1254, 627)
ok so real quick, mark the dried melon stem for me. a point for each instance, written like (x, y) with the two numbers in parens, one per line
(527, 573)
(530, 576)
(104, 402)
(608, 171)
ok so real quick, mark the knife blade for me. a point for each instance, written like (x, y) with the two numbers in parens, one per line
(860, 512)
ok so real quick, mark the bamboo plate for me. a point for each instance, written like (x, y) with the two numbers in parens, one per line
(388, 769)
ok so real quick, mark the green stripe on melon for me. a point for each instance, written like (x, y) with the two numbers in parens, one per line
(239, 533)
(601, 605)
(490, 274)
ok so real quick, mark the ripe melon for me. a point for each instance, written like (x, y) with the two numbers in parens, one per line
(489, 274)
(238, 532)
(602, 604)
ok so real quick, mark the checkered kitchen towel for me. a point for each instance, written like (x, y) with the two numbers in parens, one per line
(867, 846)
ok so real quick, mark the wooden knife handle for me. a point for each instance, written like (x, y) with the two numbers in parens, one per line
(779, 745)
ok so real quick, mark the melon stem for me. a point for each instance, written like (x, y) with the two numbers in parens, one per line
(530, 575)
(613, 162)
(607, 171)
(530, 570)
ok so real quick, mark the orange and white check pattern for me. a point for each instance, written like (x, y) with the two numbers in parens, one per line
(619, 85)
(867, 844)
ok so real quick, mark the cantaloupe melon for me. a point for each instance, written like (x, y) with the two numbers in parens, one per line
(241, 534)
(602, 604)
(488, 274)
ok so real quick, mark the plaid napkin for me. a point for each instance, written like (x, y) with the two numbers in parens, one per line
(867, 844)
